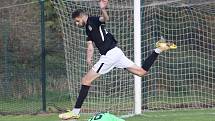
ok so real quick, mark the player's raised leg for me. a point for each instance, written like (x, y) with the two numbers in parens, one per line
(162, 46)
(86, 83)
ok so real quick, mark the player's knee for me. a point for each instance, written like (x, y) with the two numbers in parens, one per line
(142, 72)
(85, 82)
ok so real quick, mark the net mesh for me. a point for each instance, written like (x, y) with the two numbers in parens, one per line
(183, 78)
(19, 42)
(20, 61)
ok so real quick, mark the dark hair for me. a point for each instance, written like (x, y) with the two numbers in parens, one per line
(77, 13)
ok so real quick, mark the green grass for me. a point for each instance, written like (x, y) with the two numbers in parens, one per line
(183, 115)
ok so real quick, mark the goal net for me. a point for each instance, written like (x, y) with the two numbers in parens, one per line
(181, 78)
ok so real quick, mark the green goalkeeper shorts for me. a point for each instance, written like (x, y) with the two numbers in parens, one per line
(105, 117)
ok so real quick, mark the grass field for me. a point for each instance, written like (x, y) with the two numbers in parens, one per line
(183, 115)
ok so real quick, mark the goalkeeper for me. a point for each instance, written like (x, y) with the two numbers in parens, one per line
(105, 117)
(111, 55)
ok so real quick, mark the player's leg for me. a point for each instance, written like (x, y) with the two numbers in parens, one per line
(161, 45)
(141, 71)
(104, 65)
(134, 69)
(124, 62)
(86, 83)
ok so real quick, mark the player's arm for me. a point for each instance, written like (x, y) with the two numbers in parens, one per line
(104, 17)
(90, 51)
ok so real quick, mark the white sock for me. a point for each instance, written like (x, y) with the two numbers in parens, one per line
(76, 110)
(157, 50)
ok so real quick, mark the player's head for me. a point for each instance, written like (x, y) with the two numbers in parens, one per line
(80, 17)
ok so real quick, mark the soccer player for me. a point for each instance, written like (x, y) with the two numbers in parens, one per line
(111, 55)
(105, 117)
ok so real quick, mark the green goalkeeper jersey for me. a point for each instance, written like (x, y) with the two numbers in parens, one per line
(105, 117)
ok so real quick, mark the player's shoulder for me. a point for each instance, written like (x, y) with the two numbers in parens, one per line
(94, 21)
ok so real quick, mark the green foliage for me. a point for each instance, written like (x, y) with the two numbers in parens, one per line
(51, 17)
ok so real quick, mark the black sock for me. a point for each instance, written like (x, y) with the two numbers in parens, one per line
(149, 61)
(82, 95)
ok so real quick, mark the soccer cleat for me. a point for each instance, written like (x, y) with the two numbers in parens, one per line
(163, 45)
(69, 115)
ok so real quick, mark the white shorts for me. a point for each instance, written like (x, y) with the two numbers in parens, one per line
(113, 58)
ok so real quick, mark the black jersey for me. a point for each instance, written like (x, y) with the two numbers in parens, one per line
(97, 33)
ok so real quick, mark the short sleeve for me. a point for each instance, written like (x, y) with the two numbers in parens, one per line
(96, 22)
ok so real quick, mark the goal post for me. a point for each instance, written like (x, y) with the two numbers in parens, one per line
(137, 55)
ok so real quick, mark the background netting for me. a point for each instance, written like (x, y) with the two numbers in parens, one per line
(20, 60)
(19, 73)
(183, 78)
